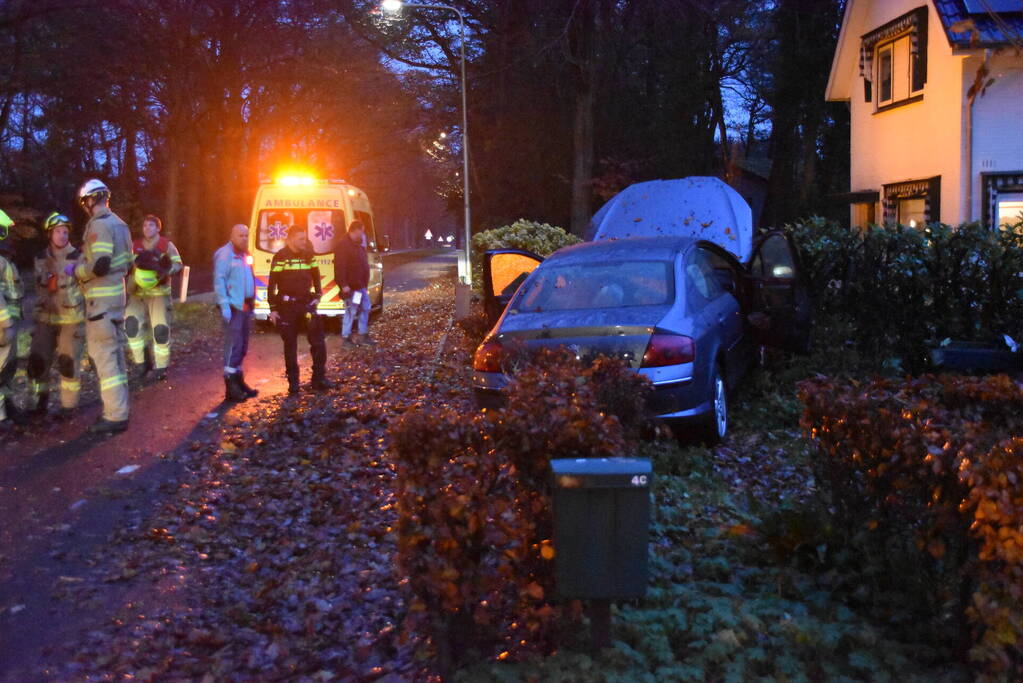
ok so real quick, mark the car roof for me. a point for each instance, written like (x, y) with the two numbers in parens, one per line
(634, 248)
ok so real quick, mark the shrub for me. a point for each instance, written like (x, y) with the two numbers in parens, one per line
(474, 509)
(934, 462)
(901, 289)
(541, 239)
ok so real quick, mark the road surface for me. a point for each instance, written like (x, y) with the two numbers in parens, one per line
(62, 492)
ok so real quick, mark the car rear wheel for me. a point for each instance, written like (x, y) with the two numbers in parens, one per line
(717, 422)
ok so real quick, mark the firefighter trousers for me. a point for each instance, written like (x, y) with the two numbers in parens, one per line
(66, 342)
(14, 344)
(105, 340)
(147, 323)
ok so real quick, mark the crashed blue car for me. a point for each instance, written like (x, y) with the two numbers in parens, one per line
(671, 282)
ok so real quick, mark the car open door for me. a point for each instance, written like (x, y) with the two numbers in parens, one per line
(780, 302)
(503, 271)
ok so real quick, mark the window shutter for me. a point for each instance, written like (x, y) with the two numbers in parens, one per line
(868, 94)
(934, 200)
(920, 50)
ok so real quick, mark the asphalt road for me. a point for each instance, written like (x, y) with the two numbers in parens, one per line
(62, 492)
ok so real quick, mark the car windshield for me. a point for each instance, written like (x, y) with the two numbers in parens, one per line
(604, 284)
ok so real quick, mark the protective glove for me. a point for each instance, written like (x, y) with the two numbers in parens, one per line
(225, 312)
(313, 304)
(69, 269)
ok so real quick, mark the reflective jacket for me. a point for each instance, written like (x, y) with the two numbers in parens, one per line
(160, 246)
(294, 278)
(11, 293)
(233, 281)
(59, 299)
(106, 260)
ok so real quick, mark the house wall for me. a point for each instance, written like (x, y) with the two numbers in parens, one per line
(997, 137)
(913, 141)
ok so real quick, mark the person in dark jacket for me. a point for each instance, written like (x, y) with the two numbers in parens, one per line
(294, 292)
(351, 273)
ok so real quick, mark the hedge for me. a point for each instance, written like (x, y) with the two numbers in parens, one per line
(935, 463)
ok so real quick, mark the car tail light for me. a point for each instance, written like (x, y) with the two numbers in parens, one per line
(488, 356)
(667, 349)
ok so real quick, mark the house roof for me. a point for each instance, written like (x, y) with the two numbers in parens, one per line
(976, 29)
(986, 30)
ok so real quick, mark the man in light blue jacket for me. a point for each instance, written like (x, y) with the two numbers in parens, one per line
(235, 286)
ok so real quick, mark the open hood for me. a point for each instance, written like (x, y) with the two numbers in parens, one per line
(701, 207)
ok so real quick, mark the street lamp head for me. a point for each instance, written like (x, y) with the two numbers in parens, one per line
(391, 5)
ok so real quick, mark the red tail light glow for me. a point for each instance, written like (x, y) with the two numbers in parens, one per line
(666, 349)
(488, 356)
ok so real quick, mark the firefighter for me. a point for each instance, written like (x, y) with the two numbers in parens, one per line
(147, 321)
(59, 312)
(106, 259)
(11, 326)
(293, 293)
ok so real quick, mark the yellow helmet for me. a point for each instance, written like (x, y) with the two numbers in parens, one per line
(5, 225)
(54, 219)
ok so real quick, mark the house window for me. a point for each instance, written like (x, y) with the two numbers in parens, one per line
(1010, 211)
(913, 203)
(1003, 198)
(912, 212)
(894, 57)
(884, 76)
(895, 72)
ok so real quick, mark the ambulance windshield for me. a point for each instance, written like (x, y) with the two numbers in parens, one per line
(324, 227)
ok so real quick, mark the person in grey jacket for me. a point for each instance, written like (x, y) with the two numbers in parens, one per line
(235, 286)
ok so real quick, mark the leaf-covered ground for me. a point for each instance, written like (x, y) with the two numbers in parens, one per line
(274, 558)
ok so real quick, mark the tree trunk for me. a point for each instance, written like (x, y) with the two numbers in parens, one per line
(582, 133)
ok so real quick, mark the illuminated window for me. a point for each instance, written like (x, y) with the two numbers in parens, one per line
(1010, 211)
(913, 203)
(912, 212)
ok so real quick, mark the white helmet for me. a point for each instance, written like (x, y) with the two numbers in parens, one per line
(93, 188)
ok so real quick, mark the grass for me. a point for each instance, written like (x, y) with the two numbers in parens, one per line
(740, 586)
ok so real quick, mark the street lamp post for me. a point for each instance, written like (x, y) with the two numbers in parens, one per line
(393, 6)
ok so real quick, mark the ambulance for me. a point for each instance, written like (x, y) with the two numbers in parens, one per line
(324, 208)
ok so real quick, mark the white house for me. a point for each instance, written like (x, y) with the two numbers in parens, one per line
(921, 150)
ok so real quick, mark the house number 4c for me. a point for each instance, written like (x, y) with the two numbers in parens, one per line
(639, 480)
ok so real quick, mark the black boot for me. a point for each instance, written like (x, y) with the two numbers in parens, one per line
(233, 391)
(249, 391)
(321, 383)
(41, 404)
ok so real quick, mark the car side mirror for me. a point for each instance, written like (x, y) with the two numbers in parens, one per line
(726, 281)
(384, 243)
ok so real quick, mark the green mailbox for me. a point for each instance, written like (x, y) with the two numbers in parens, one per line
(601, 525)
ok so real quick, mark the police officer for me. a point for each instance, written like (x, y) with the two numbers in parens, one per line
(11, 327)
(147, 321)
(293, 293)
(58, 313)
(106, 259)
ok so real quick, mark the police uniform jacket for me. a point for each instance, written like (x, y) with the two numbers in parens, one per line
(294, 278)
